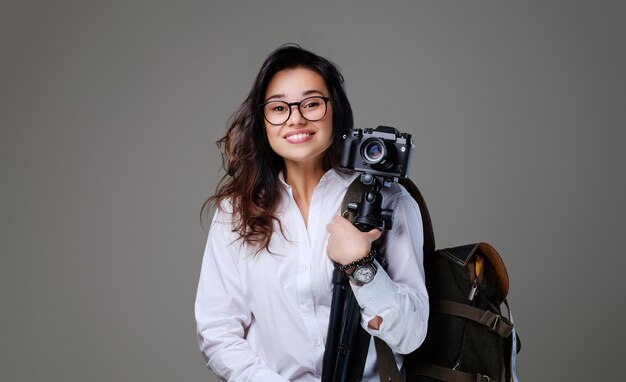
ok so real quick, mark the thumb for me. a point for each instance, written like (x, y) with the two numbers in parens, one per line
(374, 234)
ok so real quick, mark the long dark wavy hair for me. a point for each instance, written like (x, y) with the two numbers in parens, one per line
(251, 181)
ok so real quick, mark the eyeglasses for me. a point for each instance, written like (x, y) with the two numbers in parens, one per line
(311, 108)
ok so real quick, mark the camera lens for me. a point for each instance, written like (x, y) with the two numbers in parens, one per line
(374, 151)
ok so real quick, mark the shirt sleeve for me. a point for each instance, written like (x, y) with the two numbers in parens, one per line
(222, 314)
(398, 294)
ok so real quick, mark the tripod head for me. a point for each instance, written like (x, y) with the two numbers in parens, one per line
(382, 156)
(369, 213)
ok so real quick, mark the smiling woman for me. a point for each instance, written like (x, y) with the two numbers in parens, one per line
(302, 136)
(264, 295)
(252, 166)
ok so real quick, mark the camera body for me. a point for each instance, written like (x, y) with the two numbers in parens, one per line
(382, 151)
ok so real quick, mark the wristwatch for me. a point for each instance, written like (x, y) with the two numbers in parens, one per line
(364, 274)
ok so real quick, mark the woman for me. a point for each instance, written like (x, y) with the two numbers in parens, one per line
(264, 294)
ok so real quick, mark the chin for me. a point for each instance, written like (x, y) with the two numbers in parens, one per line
(305, 159)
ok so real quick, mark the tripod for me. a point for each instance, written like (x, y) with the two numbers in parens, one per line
(347, 342)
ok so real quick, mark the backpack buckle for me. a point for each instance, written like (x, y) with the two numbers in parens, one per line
(495, 325)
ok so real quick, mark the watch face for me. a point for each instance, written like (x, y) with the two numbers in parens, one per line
(364, 274)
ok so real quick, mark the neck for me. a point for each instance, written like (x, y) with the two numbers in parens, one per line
(303, 179)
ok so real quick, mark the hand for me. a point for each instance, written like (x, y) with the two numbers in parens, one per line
(346, 243)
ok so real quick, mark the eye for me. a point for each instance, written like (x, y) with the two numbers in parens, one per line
(312, 103)
(276, 107)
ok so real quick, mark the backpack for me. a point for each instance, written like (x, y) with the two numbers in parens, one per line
(468, 339)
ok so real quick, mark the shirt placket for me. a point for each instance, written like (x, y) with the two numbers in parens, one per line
(304, 292)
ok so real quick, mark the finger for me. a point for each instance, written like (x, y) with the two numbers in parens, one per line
(340, 220)
(374, 234)
(332, 223)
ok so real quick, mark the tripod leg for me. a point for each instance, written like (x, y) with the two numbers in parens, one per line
(348, 346)
(340, 289)
(359, 354)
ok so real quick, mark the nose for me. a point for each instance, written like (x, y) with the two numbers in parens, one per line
(295, 118)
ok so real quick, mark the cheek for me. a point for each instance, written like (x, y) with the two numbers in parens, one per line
(270, 135)
(268, 129)
(328, 137)
(331, 121)
(329, 128)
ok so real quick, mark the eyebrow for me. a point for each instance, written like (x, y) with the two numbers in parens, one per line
(306, 93)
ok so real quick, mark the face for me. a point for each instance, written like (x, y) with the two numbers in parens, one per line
(299, 140)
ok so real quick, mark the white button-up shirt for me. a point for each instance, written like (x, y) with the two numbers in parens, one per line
(265, 317)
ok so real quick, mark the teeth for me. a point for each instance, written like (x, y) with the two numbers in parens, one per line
(297, 137)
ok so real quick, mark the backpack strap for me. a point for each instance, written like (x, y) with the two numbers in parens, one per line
(511, 348)
(429, 235)
(353, 194)
(492, 320)
(450, 375)
(387, 367)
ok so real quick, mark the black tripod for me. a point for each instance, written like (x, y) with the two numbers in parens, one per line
(347, 342)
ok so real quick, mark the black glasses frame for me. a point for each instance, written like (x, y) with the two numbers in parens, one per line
(290, 105)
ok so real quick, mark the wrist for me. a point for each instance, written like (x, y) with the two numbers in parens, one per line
(350, 267)
(363, 274)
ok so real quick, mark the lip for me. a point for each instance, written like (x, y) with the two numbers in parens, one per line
(299, 136)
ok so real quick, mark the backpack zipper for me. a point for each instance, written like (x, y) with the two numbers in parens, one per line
(476, 275)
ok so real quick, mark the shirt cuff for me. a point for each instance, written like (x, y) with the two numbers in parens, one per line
(264, 375)
(377, 296)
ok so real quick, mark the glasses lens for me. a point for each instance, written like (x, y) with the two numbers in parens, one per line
(276, 112)
(313, 108)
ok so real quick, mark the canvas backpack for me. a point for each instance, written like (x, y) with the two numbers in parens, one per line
(468, 339)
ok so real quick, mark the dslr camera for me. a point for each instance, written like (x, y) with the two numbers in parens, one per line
(382, 151)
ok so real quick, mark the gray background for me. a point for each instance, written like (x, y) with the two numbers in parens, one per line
(109, 113)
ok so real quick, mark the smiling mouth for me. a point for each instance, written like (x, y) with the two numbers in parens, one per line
(298, 137)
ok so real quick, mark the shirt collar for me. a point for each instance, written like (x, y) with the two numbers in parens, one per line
(281, 178)
(345, 178)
